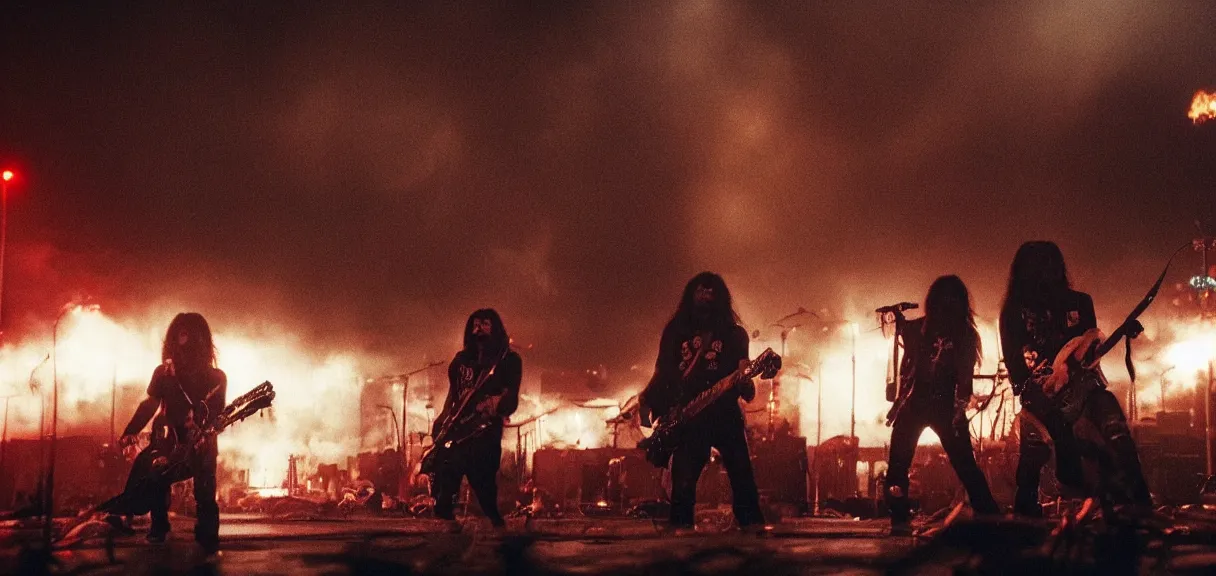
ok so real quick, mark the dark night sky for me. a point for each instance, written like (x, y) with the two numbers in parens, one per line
(368, 177)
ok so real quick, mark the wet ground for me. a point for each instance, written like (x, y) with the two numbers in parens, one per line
(258, 545)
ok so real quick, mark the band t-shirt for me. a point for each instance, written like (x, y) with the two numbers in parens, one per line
(1034, 334)
(941, 368)
(720, 357)
(463, 373)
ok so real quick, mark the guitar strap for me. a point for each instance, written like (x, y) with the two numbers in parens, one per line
(190, 401)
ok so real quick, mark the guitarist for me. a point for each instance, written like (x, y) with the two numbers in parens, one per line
(189, 390)
(486, 348)
(1041, 314)
(941, 352)
(701, 344)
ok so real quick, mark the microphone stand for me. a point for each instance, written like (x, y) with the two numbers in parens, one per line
(897, 318)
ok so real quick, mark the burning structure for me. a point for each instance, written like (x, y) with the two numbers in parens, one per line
(331, 425)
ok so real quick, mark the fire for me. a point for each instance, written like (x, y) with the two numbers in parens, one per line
(93, 357)
(1203, 107)
(97, 358)
(1193, 349)
(316, 411)
(1178, 359)
(566, 425)
(873, 352)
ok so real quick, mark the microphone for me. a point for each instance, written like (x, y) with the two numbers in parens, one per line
(897, 307)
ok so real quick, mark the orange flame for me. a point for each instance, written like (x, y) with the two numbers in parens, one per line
(1203, 107)
(315, 414)
(565, 425)
(1180, 362)
(873, 351)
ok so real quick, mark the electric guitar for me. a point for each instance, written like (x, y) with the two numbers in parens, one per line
(669, 431)
(1067, 379)
(167, 461)
(1079, 357)
(170, 462)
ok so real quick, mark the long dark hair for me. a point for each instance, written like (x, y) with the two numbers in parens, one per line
(948, 313)
(199, 351)
(1037, 277)
(721, 317)
(498, 333)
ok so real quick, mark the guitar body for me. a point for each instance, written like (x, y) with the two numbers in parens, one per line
(1072, 375)
(154, 468)
(671, 429)
(463, 430)
(660, 445)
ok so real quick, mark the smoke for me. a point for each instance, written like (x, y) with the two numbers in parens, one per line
(368, 179)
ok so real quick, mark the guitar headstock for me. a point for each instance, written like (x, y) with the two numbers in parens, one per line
(260, 391)
(247, 404)
(766, 364)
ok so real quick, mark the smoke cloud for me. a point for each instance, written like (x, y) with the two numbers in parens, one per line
(368, 179)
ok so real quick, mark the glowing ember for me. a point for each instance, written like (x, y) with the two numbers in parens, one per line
(1203, 107)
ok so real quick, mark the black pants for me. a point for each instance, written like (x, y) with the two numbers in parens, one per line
(207, 528)
(1036, 435)
(689, 460)
(1121, 479)
(478, 459)
(956, 441)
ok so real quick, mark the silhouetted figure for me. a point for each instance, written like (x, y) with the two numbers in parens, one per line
(1041, 313)
(189, 390)
(486, 355)
(941, 352)
(701, 344)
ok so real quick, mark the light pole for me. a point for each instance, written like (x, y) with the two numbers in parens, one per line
(396, 430)
(854, 331)
(405, 408)
(50, 474)
(775, 384)
(4, 179)
(1203, 284)
(774, 388)
(1163, 373)
(4, 434)
(33, 385)
(1203, 109)
(400, 461)
(113, 398)
(854, 328)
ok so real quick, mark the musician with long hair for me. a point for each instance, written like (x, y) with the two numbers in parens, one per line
(701, 344)
(941, 351)
(189, 390)
(1040, 315)
(485, 358)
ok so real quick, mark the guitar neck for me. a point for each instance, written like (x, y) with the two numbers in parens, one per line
(709, 396)
(1109, 344)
